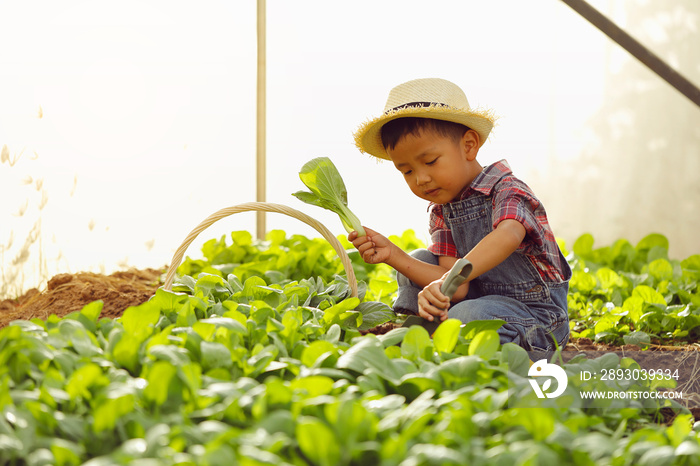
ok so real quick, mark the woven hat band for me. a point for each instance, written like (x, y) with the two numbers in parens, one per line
(416, 105)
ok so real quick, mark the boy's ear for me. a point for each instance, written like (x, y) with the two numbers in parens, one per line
(470, 143)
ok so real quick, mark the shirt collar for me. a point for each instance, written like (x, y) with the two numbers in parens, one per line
(487, 179)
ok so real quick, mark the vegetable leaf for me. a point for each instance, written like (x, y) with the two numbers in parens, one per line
(327, 191)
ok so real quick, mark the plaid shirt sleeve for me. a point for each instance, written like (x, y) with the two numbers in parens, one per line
(514, 200)
(442, 243)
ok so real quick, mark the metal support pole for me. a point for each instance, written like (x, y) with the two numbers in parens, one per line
(260, 183)
(637, 50)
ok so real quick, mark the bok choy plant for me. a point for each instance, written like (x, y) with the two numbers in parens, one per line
(328, 191)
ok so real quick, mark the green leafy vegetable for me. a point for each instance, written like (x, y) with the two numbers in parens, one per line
(633, 294)
(327, 191)
(241, 365)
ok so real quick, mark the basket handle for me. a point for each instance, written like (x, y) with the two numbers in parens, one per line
(265, 207)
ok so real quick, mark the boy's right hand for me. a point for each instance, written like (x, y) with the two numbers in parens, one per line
(432, 303)
(373, 247)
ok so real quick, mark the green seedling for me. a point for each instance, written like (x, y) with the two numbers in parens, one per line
(328, 191)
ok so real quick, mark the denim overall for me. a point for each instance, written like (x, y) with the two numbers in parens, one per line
(535, 311)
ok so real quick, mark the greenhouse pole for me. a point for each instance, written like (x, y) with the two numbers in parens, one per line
(260, 185)
(636, 49)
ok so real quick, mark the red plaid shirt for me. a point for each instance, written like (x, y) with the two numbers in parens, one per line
(512, 199)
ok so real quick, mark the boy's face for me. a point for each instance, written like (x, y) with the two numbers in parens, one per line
(435, 167)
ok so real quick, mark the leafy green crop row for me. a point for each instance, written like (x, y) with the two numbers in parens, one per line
(633, 294)
(618, 294)
(264, 364)
(281, 259)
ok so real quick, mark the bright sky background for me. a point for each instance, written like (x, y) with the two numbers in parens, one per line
(148, 110)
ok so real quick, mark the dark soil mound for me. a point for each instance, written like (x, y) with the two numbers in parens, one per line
(66, 293)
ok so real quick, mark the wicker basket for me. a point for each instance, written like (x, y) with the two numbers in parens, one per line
(265, 207)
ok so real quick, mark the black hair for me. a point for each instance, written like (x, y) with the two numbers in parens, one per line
(394, 130)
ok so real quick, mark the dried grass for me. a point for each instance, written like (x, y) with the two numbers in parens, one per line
(26, 261)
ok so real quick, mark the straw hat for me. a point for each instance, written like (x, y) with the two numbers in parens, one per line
(425, 98)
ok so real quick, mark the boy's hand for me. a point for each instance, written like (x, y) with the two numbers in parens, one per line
(432, 303)
(374, 248)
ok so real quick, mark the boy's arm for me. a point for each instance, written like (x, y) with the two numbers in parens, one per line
(375, 248)
(493, 249)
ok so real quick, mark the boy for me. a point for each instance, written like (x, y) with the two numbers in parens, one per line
(484, 214)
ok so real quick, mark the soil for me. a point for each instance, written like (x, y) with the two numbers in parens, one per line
(66, 293)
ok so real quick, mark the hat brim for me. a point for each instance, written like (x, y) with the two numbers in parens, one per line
(368, 136)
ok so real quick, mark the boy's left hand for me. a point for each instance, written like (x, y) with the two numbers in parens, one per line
(374, 248)
(432, 303)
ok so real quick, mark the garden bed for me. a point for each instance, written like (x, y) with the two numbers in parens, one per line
(261, 355)
(67, 293)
